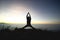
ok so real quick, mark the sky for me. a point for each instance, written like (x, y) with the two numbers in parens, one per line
(42, 11)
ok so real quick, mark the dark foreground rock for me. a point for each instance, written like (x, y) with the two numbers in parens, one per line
(29, 34)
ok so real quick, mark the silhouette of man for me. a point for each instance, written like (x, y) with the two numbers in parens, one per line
(28, 16)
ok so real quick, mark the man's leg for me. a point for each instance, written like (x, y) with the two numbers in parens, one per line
(24, 26)
(32, 27)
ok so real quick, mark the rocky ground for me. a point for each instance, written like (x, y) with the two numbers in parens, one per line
(28, 34)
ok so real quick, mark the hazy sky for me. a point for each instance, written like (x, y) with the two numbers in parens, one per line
(42, 11)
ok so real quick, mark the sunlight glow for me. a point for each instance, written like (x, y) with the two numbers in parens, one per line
(14, 14)
(17, 14)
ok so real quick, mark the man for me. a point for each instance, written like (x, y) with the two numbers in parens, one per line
(28, 19)
(28, 16)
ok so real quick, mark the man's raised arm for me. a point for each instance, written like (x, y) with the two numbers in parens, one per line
(28, 15)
